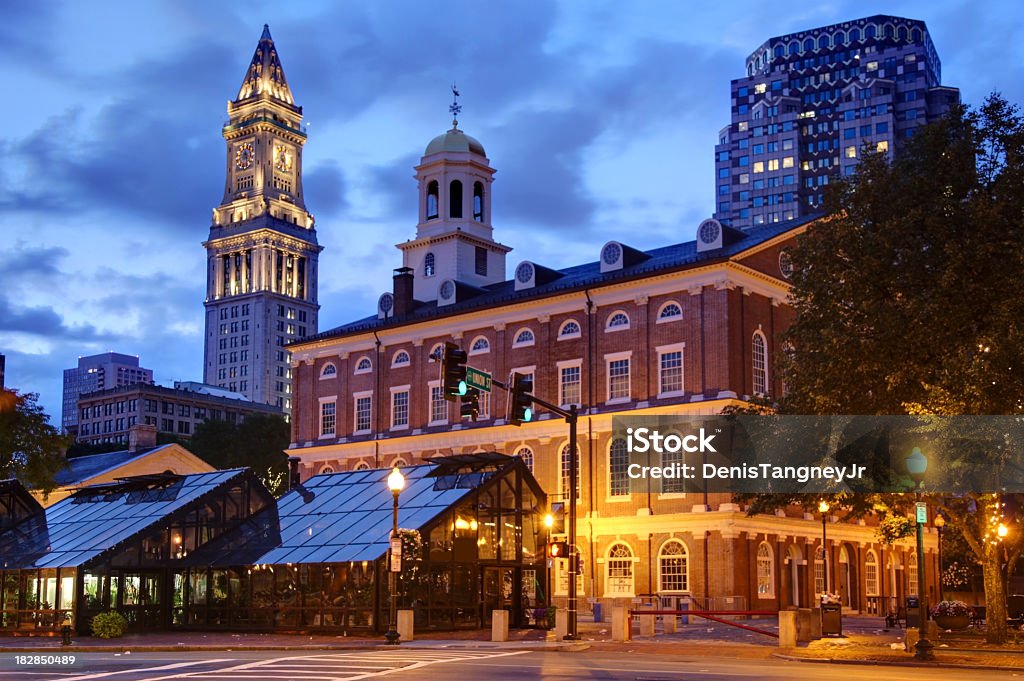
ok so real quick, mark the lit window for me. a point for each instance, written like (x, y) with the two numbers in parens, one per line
(362, 414)
(438, 406)
(745, 178)
(429, 267)
(872, 66)
(760, 363)
(328, 418)
(882, 146)
(670, 372)
(400, 409)
(871, 574)
(526, 454)
(569, 385)
(773, 164)
(619, 571)
(673, 567)
(912, 574)
(566, 463)
(765, 572)
(758, 167)
(787, 162)
(618, 465)
(760, 88)
(851, 151)
(618, 379)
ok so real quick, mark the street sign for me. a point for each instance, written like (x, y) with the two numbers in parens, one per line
(922, 513)
(396, 554)
(481, 380)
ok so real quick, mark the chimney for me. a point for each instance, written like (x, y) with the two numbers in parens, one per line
(141, 437)
(403, 291)
(293, 472)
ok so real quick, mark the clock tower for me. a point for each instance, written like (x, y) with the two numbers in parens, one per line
(261, 274)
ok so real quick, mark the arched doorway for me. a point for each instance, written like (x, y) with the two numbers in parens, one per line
(847, 578)
(796, 559)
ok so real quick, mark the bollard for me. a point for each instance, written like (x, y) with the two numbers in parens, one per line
(670, 624)
(647, 623)
(621, 629)
(804, 631)
(499, 625)
(787, 629)
(815, 624)
(561, 623)
(405, 628)
(913, 635)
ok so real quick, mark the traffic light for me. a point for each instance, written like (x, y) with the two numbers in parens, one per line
(453, 372)
(520, 406)
(558, 549)
(470, 407)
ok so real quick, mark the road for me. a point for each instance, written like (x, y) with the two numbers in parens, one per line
(429, 664)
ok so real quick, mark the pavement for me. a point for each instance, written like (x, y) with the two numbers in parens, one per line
(864, 642)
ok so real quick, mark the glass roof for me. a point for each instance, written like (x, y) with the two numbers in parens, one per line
(101, 518)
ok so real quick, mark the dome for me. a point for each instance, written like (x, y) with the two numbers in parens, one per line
(454, 140)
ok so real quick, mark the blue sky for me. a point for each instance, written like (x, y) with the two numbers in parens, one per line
(600, 118)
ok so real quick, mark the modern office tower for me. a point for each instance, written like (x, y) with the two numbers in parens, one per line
(262, 249)
(98, 372)
(811, 103)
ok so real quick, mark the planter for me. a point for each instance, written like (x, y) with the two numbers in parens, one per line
(952, 622)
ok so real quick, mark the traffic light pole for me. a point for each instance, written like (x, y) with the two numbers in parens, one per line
(571, 417)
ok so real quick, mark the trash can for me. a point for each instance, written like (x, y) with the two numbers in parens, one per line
(913, 612)
(831, 619)
(598, 613)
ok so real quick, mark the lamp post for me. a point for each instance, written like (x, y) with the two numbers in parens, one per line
(940, 522)
(396, 481)
(917, 466)
(823, 508)
(549, 522)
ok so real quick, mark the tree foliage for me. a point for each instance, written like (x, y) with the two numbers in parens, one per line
(258, 442)
(907, 302)
(31, 449)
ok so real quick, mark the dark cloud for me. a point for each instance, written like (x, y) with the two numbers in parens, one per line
(324, 188)
(31, 261)
(43, 321)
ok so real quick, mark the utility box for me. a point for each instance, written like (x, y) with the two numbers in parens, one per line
(913, 612)
(831, 619)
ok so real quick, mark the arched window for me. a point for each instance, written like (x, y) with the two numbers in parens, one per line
(429, 265)
(854, 35)
(912, 573)
(619, 571)
(794, 48)
(526, 454)
(890, 31)
(871, 573)
(823, 42)
(437, 352)
(916, 35)
(480, 346)
(759, 357)
(618, 465)
(362, 466)
(327, 469)
(617, 321)
(401, 359)
(765, 571)
(569, 329)
(364, 365)
(673, 567)
(399, 463)
(432, 194)
(478, 201)
(455, 199)
(870, 31)
(808, 45)
(523, 338)
(820, 566)
(839, 39)
(329, 370)
(670, 311)
(902, 34)
(566, 463)
(779, 51)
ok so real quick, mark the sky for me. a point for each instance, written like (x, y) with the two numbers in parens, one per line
(600, 117)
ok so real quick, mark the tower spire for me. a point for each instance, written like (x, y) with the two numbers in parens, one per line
(265, 77)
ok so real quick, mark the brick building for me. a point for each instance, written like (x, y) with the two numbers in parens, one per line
(686, 329)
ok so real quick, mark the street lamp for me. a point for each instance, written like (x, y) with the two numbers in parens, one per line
(917, 466)
(940, 522)
(549, 522)
(823, 508)
(396, 481)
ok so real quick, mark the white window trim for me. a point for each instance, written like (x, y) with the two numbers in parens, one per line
(323, 469)
(395, 364)
(609, 497)
(524, 344)
(604, 562)
(430, 405)
(479, 352)
(771, 576)
(657, 560)
(661, 350)
(569, 336)
(320, 417)
(621, 327)
(408, 405)
(357, 370)
(568, 364)
(608, 359)
(666, 320)
(355, 411)
(324, 376)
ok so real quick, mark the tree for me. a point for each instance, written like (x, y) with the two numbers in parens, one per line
(258, 442)
(31, 449)
(906, 300)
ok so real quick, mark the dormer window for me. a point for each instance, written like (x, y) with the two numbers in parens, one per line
(432, 194)
(455, 199)
(478, 201)
(428, 265)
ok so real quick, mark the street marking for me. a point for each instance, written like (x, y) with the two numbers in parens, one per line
(176, 665)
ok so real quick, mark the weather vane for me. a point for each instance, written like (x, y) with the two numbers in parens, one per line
(455, 109)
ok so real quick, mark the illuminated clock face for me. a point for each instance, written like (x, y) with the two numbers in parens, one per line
(282, 158)
(244, 156)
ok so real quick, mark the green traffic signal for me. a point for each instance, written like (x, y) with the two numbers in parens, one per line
(527, 414)
(463, 388)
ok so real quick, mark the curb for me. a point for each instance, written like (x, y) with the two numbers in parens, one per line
(897, 663)
(556, 647)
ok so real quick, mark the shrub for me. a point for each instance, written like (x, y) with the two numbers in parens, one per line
(952, 609)
(109, 625)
